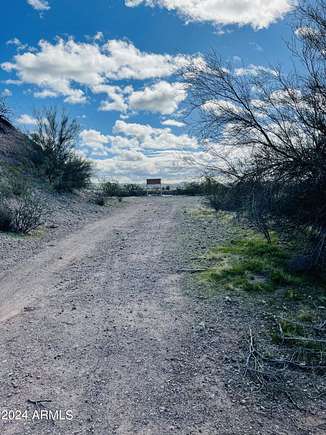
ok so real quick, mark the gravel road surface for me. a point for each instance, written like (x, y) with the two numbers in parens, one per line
(97, 329)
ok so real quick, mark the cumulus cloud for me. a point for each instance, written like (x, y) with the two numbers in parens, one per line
(254, 70)
(39, 5)
(94, 142)
(171, 167)
(162, 97)
(173, 123)
(136, 151)
(116, 97)
(152, 138)
(257, 13)
(46, 93)
(66, 67)
(6, 93)
(93, 138)
(25, 119)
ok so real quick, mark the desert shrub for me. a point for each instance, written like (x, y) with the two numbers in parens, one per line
(14, 184)
(5, 217)
(206, 186)
(76, 174)
(5, 188)
(27, 215)
(133, 190)
(19, 185)
(191, 189)
(294, 209)
(21, 215)
(110, 189)
(99, 199)
(57, 136)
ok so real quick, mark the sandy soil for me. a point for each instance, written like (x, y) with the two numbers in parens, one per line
(101, 322)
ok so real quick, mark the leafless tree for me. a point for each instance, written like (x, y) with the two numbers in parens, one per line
(264, 126)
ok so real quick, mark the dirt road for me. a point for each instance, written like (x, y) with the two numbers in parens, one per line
(98, 324)
(92, 322)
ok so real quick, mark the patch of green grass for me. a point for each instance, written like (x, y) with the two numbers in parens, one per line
(202, 213)
(292, 329)
(254, 246)
(293, 295)
(279, 277)
(306, 315)
(251, 264)
(225, 217)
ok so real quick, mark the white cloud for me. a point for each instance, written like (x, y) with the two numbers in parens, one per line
(93, 143)
(254, 70)
(116, 97)
(6, 93)
(39, 5)
(46, 93)
(136, 151)
(17, 43)
(257, 13)
(98, 36)
(132, 155)
(171, 166)
(152, 138)
(65, 67)
(12, 82)
(173, 123)
(93, 138)
(162, 97)
(26, 120)
(218, 107)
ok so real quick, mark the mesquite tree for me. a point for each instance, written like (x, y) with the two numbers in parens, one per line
(267, 128)
(57, 135)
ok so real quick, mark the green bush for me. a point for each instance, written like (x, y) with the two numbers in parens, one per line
(75, 174)
(133, 190)
(110, 189)
(14, 185)
(56, 136)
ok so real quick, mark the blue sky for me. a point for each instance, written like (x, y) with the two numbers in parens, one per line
(113, 64)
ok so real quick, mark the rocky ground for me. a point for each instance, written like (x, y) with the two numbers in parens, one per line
(102, 317)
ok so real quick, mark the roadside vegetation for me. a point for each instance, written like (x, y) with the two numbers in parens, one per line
(269, 174)
(50, 163)
(286, 350)
(270, 129)
(109, 189)
(56, 136)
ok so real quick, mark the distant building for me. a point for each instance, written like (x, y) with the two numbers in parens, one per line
(154, 182)
(154, 185)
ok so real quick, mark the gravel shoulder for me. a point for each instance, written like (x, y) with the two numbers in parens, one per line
(100, 319)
